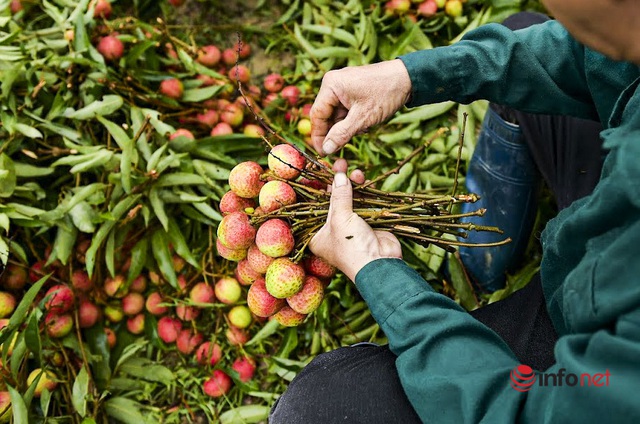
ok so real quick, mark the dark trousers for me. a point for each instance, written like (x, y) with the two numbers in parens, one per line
(360, 384)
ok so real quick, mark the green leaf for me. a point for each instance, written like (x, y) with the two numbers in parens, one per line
(83, 216)
(32, 338)
(270, 328)
(125, 410)
(158, 207)
(97, 342)
(179, 179)
(24, 170)
(200, 94)
(27, 130)
(20, 313)
(161, 253)
(245, 414)
(147, 369)
(461, 283)
(65, 241)
(80, 391)
(65, 206)
(138, 259)
(20, 412)
(422, 113)
(180, 245)
(91, 161)
(208, 211)
(109, 104)
(7, 176)
(109, 253)
(126, 144)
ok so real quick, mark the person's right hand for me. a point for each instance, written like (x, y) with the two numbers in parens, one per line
(355, 98)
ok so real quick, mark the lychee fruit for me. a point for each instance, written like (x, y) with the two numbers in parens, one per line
(427, 8)
(317, 266)
(261, 302)
(218, 385)
(232, 114)
(242, 49)
(135, 324)
(240, 316)
(37, 270)
(202, 293)
(187, 341)
(291, 94)
(7, 304)
(231, 202)
(229, 57)
(153, 304)
(58, 326)
(46, 381)
(245, 274)
(284, 278)
(113, 313)
(59, 299)
(102, 9)
(227, 290)
(182, 132)
(88, 314)
(172, 87)
(276, 194)
(187, 313)
(239, 73)
(208, 353)
(309, 297)
(14, 277)
(111, 48)
(258, 261)
(208, 118)
(168, 329)
(133, 304)
(245, 367)
(244, 179)
(236, 336)
(230, 254)
(288, 317)
(111, 337)
(81, 282)
(273, 83)
(274, 238)
(304, 126)
(139, 284)
(236, 232)
(253, 130)
(116, 287)
(221, 128)
(209, 56)
(286, 162)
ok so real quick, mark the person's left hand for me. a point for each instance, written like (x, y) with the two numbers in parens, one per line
(346, 240)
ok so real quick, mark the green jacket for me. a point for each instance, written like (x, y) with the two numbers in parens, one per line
(453, 368)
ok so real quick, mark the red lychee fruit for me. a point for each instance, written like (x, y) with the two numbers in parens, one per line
(309, 297)
(260, 302)
(111, 337)
(59, 299)
(88, 314)
(276, 194)
(242, 49)
(304, 126)
(16, 6)
(58, 326)
(397, 7)
(102, 9)
(14, 277)
(232, 114)
(229, 57)
(236, 336)
(186, 312)
(239, 73)
(182, 283)
(235, 231)
(176, 3)
(168, 329)
(111, 48)
(240, 316)
(291, 94)
(46, 381)
(206, 80)
(427, 8)
(317, 266)
(153, 304)
(209, 56)
(288, 317)
(37, 270)
(273, 83)
(5, 406)
(208, 353)
(81, 250)
(305, 110)
(116, 287)
(230, 254)
(139, 284)
(218, 385)
(269, 99)
(244, 179)
(7, 304)
(182, 132)
(284, 278)
(245, 274)
(132, 304)
(258, 261)
(286, 162)
(231, 202)
(202, 293)
(187, 341)
(178, 263)
(253, 130)
(208, 118)
(221, 128)
(81, 282)
(227, 290)
(245, 367)
(135, 324)
(172, 87)
(274, 238)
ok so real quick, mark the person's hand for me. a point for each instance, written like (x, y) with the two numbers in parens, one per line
(346, 240)
(355, 98)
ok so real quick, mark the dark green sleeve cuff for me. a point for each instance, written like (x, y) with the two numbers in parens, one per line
(387, 283)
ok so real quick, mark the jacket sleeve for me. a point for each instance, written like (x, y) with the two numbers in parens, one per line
(456, 370)
(539, 69)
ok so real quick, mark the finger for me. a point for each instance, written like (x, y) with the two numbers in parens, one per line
(341, 195)
(322, 115)
(357, 176)
(340, 165)
(389, 245)
(341, 132)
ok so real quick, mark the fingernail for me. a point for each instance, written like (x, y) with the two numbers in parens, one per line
(340, 179)
(329, 147)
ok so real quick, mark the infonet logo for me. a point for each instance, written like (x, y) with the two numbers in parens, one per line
(523, 378)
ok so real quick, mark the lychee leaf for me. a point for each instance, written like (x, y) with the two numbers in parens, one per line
(180, 245)
(160, 243)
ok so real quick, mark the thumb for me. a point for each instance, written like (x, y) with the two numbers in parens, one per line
(341, 196)
(341, 132)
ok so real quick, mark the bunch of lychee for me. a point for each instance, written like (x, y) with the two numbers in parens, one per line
(423, 8)
(278, 287)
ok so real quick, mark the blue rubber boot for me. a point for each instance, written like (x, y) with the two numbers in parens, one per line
(503, 173)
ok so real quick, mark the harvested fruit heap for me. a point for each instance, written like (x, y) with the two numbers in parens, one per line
(120, 130)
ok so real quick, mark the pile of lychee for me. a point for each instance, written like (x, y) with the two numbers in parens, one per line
(278, 286)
